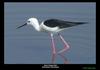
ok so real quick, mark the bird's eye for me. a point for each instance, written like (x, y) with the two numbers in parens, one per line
(28, 21)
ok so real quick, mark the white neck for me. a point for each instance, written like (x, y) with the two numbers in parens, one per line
(36, 25)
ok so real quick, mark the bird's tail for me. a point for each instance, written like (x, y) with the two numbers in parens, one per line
(78, 23)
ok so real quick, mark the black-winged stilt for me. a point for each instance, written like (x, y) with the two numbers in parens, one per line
(52, 26)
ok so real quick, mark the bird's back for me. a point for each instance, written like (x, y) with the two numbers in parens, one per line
(61, 23)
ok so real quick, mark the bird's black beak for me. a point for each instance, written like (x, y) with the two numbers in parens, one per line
(22, 25)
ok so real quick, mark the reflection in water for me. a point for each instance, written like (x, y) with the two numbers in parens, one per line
(53, 58)
(62, 56)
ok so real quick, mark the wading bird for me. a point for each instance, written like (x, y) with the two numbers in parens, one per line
(52, 26)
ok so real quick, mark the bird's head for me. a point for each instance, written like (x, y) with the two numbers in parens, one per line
(31, 21)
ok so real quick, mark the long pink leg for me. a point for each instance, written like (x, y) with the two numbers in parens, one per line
(66, 45)
(53, 49)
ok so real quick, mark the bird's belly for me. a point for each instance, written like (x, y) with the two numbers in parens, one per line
(49, 29)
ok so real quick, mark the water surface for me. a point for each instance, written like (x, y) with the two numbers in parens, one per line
(27, 46)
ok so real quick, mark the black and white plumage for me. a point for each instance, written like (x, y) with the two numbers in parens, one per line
(53, 26)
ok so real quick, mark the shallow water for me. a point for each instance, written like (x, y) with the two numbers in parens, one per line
(27, 46)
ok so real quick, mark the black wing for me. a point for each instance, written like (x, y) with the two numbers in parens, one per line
(61, 23)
